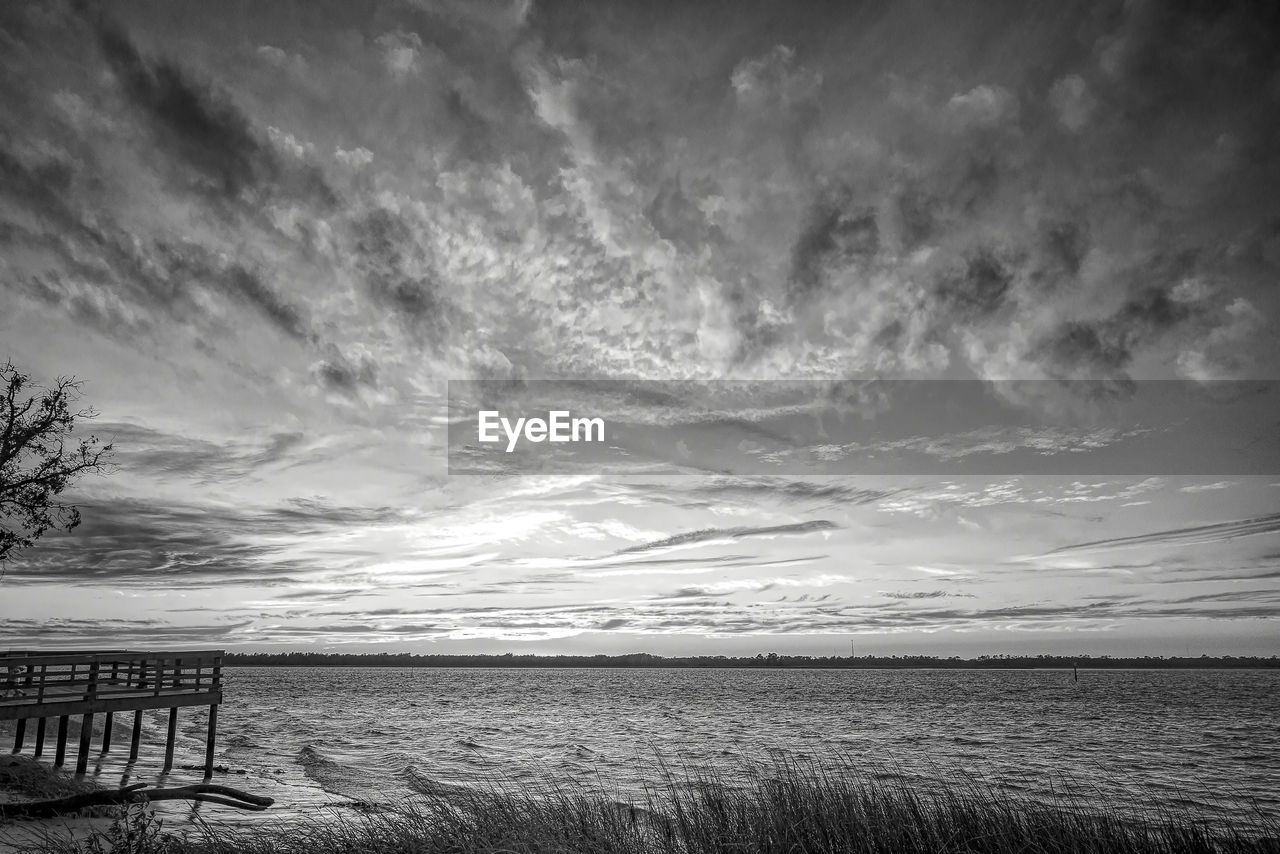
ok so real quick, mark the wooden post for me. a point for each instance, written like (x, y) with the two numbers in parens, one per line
(19, 735)
(106, 734)
(137, 736)
(40, 724)
(208, 747)
(86, 733)
(168, 742)
(60, 751)
(86, 721)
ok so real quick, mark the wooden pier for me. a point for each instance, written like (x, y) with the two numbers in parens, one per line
(57, 685)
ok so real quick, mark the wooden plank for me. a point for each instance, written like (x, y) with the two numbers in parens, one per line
(54, 708)
(62, 691)
(65, 658)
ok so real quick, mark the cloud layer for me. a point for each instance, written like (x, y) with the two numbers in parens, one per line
(267, 242)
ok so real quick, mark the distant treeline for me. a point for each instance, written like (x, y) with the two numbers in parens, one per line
(642, 659)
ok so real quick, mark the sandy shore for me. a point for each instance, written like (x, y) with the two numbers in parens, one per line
(25, 779)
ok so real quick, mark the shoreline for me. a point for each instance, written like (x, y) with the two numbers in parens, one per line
(793, 806)
(23, 778)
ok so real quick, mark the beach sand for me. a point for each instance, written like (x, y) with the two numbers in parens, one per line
(25, 779)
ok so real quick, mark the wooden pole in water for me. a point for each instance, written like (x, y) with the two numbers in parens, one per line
(86, 722)
(60, 752)
(208, 747)
(40, 724)
(106, 734)
(19, 735)
(168, 742)
(137, 736)
(86, 733)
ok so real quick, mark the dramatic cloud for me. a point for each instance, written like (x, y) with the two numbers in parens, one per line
(267, 245)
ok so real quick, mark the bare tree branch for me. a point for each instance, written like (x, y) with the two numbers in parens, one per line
(38, 457)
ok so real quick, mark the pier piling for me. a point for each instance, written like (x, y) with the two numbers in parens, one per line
(86, 735)
(60, 752)
(168, 741)
(137, 736)
(208, 747)
(40, 725)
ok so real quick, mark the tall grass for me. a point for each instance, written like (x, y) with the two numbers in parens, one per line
(791, 809)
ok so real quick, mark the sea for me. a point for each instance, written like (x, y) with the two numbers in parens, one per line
(333, 740)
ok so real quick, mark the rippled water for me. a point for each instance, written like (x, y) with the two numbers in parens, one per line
(1207, 741)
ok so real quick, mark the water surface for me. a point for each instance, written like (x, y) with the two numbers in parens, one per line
(339, 737)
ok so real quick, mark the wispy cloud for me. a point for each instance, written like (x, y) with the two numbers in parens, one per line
(1217, 532)
(724, 535)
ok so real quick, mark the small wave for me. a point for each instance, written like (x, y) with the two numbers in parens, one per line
(422, 784)
(335, 777)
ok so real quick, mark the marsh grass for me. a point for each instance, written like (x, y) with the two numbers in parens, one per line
(793, 808)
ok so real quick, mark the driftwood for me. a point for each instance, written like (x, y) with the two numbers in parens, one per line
(209, 792)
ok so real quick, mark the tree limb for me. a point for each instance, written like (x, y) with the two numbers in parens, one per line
(209, 792)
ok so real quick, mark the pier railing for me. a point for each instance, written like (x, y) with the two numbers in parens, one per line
(88, 683)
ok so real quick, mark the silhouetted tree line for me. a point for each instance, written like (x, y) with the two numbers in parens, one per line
(763, 660)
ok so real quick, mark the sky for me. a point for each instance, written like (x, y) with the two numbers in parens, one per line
(267, 236)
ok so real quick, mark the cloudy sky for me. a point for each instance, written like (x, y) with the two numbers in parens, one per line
(266, 236)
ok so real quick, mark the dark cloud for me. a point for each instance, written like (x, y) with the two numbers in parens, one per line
(115, 282)
(835, 492)
(1176, 60)
(978, 290)
(926, 594)
(39, 179)
(675, 217)
(839, 234)
(248, 286)
(1104, 348)
(204, 129)
(174, 268)
(1081, 349)
(345, 376)
(146, 451)
(1230, 596)
(401, 275)
(474, 134)
(106, 632)
(713, 534)
(136, 543)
